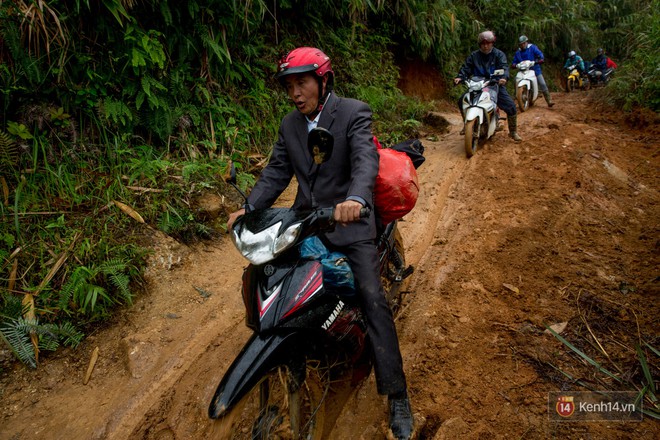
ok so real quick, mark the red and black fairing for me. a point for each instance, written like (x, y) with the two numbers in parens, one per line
(295, 316)
(293, 295)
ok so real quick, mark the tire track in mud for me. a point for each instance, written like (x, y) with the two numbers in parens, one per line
(423, 230)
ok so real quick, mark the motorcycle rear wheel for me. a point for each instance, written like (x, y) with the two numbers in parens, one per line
(271, 410)
(471, 137)
(390, 284)
(522, 96)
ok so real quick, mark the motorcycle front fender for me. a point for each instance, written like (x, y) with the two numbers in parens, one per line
(474, 113)
(259, 355)
(524, 83)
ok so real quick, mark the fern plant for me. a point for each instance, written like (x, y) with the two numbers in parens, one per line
(8, 151)
(17, 334)
(86, 290)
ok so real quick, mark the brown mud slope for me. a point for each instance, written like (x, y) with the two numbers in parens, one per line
(561, 228)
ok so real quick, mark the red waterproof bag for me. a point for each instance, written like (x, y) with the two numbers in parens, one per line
(397, 188)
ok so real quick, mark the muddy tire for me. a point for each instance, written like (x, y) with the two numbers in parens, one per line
(471, 137)
(389, 276)
(570, 85)
(272, 410)
(522, 96)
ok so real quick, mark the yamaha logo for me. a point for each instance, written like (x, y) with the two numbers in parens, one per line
(269, 270)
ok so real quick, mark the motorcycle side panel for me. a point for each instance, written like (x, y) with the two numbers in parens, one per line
(275, 292)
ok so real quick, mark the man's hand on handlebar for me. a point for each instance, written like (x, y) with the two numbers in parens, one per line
(233, 217)
(348, 211)
(457, 81)
(502, 81)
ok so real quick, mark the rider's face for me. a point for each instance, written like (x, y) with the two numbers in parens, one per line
(523, 46)
(303, 90)
(486, 46)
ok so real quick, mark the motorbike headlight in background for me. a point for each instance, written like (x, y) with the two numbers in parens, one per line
(474, 86)
(258, 247)
(287, 238)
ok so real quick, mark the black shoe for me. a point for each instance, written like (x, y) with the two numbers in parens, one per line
(401, 419)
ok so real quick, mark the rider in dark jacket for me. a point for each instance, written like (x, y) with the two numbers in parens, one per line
(484, 62)
(602, 63)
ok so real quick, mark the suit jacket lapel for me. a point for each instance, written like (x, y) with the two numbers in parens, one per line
(301, 133)
(328, 113)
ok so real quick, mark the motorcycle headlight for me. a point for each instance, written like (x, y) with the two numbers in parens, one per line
(265, 245)
(287, 238)
(256, 247)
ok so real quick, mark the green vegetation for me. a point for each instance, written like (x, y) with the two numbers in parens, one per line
(118, 113)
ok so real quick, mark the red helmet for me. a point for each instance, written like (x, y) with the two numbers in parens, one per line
(487, 36)
(304, 59)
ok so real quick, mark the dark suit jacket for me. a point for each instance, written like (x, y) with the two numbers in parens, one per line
(351, 170)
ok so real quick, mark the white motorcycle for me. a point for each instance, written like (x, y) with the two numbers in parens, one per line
(479, 106)
(527, 88)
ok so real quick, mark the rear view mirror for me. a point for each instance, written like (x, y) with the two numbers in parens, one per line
(230, 176)
(320, 143)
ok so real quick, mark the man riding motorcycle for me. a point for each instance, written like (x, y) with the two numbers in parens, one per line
(575, 59)
(602, 63)
(484, 62)
(529, 51)
(307, 76)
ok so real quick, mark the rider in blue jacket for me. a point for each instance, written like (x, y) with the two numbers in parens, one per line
(529, 52)
(484, 62)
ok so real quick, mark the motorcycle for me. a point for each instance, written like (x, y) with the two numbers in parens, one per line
(480, 116)
(576, 81)
(310, 339)
(527, 88)
(598, 77)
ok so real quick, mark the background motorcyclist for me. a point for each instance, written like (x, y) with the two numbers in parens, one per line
(347, 182)
(575, 59)
(602, 63)
(483, 63)
(530, 52)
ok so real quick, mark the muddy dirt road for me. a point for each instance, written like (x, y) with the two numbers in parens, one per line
(561, 228)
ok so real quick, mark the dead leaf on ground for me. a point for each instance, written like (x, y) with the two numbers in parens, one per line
(557, 328)
(128, 210)
(512, 288)
(90, 367)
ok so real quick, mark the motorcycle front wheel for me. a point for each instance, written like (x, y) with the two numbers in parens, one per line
(522, 96)
(273, 409)
(570, 85)
(471, 137)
